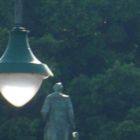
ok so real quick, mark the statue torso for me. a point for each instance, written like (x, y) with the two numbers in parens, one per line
(58, 108)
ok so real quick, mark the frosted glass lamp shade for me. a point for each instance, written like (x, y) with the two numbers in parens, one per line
(18, 89)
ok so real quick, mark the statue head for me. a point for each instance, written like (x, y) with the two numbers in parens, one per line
(58, 87)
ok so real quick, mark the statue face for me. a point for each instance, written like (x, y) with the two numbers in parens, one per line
(58, 87)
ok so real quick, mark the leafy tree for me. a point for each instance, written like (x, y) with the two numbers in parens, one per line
(128, 130)
(81, 41)
(116, 91)
(19, 128)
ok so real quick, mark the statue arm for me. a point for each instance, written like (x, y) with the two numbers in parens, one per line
(45, 109)
(71, 114)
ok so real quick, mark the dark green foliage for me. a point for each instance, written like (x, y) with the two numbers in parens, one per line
(93, 47)
(19, 128)
(117, 91)
(6, 13)
(128, 130)
(104, 102)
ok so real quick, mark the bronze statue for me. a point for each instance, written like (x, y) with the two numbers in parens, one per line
(57, 112)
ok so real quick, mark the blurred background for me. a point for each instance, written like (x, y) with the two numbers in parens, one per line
(92, 47)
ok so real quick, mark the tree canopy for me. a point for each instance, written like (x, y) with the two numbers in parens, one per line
(93, 47)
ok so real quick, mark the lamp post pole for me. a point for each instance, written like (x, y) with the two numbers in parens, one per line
(18, 13)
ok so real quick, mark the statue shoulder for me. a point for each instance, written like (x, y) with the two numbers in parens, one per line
(49, 96)
(54, 95)
(65, 96)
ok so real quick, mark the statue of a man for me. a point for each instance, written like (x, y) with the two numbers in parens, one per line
(57, 112)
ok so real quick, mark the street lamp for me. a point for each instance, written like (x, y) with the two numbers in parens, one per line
(21, 73)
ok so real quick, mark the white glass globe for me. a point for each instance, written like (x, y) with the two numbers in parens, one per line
(18, 89)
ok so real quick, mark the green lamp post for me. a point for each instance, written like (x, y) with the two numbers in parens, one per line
(21, 73)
